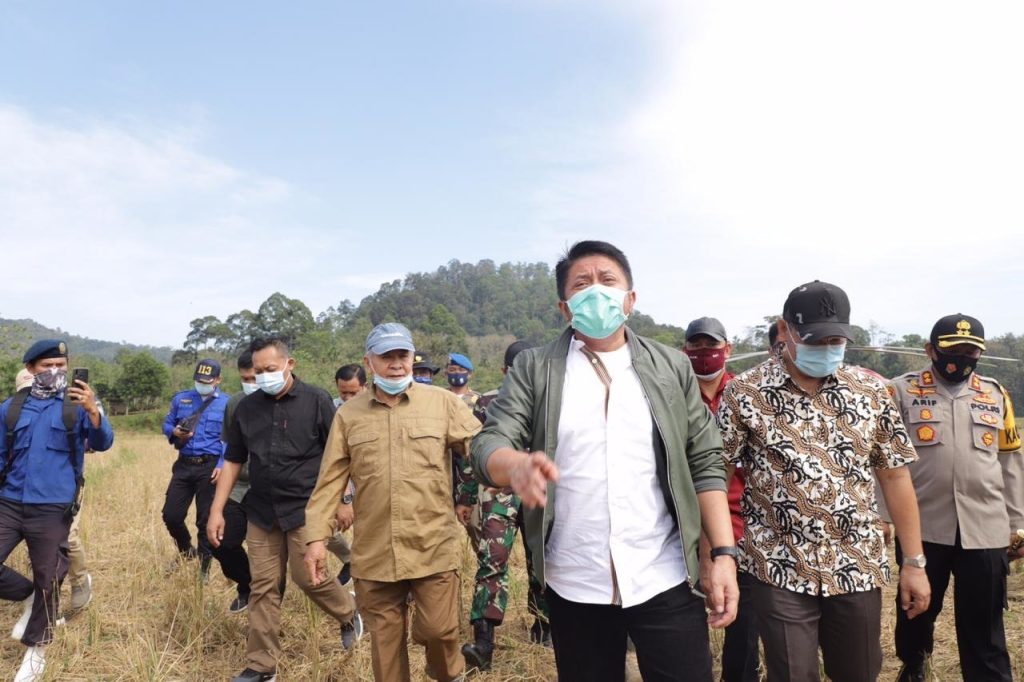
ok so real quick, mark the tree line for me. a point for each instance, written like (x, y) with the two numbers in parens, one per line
(476, 309)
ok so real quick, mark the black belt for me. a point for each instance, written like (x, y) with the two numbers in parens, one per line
(199, 459)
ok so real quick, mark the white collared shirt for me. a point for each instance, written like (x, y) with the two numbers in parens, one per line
(609, 508)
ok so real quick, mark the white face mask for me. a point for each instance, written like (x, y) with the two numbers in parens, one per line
(249, 389)
(271, 383)
(205, 389)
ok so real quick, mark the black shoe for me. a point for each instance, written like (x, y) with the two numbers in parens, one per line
(239, 604)
(346, 574)
(911, 673)
(478, 654)
(250, 675)
(540, 632)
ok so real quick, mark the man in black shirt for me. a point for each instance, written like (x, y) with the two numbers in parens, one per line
(280, 431)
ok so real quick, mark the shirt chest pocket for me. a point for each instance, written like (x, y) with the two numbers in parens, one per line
(985, 430)
(425, 448)
(214, 424)
(364, 448)
(925, 426)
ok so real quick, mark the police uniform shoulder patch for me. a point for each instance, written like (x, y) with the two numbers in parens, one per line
(891, 389)
(927, 379)
(975, 383)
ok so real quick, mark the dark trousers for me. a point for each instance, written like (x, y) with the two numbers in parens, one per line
(669, 631)
(190, 479)
(979, 596)
(740, 656)
(44, 528)
(848, 627)
(231, 555)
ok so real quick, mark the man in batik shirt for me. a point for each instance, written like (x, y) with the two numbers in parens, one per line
(808, 430)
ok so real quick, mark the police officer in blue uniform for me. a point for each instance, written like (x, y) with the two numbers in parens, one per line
(194, 425)
(43, 458)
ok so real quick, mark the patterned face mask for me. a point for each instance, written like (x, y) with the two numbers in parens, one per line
(49, 383)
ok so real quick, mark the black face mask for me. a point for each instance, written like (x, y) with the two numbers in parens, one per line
(962, 366)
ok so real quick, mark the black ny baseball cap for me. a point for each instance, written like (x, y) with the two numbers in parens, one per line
(952, 330)
(818, 310)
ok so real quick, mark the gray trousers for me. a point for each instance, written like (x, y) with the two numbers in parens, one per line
(847, 627)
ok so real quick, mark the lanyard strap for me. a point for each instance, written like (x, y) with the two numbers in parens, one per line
(602, 374)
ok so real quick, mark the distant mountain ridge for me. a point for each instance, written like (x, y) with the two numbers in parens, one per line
(18, 335)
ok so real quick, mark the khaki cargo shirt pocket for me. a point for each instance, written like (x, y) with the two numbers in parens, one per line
(365, 450)
(425, 447)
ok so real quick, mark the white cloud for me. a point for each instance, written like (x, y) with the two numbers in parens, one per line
(129, 233)
(877, 145)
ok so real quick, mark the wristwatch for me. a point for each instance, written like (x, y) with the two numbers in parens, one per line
(918, 561)
(725, 551)
(347, 498)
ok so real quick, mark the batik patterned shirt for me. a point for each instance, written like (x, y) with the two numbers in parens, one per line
(809, 505)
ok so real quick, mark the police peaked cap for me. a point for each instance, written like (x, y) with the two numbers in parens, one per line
(953, 330)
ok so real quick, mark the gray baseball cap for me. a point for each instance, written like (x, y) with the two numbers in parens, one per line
(387, 337)
(708, 326)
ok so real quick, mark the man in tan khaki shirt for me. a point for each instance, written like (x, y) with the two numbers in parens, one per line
(969, 480)
(394, 443)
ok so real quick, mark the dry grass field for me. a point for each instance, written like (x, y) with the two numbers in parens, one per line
(146, 625)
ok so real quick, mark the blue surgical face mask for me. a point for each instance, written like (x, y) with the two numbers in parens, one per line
(249, 389)
(597, 311)
(271, 383)
(204, 389)
(392, 386)
(819, 361)
(423, 380)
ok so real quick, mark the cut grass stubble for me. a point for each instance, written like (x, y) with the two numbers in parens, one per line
(146, 623)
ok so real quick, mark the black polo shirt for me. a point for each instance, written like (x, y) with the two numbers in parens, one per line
(283, 441)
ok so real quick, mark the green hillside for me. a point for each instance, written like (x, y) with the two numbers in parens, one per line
(17, 335)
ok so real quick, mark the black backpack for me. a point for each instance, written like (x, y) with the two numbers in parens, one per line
(69, 413)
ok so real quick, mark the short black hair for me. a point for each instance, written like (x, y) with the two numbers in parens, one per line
(513, 350)
(582, 250)
(245, 360)
(347, 372)
(773, 333)
(277, 342)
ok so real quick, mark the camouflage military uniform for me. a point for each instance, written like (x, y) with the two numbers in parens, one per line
(498, 524)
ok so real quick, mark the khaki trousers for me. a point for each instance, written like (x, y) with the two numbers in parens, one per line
(435, 624)
(270, 553)
(77, 569)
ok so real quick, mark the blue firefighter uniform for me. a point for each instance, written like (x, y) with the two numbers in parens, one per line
(197, 459)
(36, 497)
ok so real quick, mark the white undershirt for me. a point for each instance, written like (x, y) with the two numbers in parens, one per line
(609, 506)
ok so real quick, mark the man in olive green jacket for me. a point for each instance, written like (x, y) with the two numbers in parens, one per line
(636, 462)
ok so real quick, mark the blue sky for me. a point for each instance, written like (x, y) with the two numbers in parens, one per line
(198, 157)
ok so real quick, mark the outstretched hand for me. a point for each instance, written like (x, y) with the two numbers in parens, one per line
(530, 478)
